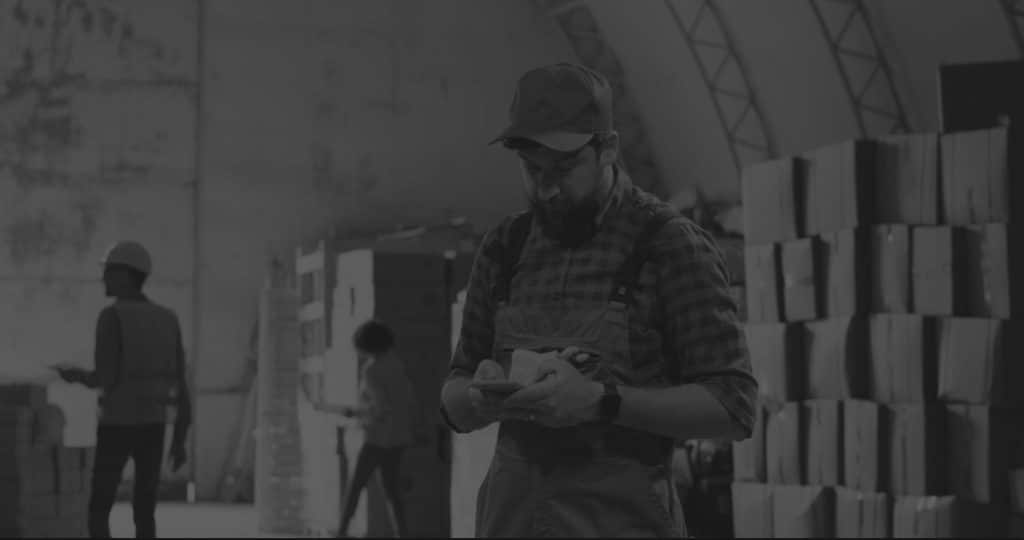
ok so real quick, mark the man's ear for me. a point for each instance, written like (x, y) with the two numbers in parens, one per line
(609, 149)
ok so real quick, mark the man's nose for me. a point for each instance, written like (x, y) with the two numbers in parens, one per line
(547, 189)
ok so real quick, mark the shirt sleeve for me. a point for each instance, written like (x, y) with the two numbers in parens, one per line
(476, 337)
(184, 402)
(107, 352)
(705, 337)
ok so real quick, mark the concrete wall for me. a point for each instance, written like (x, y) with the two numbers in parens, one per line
(258, 121)
(97, 121)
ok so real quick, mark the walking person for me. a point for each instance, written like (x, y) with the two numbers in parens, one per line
(626, 302)
(390, 417)
(140, 373)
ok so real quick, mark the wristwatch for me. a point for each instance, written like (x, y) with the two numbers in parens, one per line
(608, 406)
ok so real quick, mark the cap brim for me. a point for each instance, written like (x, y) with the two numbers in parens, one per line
(556, 140)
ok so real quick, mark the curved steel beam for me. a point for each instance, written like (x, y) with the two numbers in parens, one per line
(578, 23)
(1014, 11)
(715, 52)
(852, 42)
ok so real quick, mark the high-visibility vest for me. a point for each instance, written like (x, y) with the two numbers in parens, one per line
(147, 378)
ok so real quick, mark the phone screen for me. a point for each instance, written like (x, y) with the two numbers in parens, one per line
(497, 387)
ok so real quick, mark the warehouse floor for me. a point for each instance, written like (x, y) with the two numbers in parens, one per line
(203, 520)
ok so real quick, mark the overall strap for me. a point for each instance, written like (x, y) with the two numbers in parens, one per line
(508, 252)
(629, 273)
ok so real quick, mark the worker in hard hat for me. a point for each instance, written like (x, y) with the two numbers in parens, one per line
(140, 373)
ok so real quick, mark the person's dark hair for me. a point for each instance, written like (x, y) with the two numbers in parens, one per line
(138, 277)
(373, 337)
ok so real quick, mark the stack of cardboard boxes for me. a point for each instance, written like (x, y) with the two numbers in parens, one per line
(880, 326)
(43, 484)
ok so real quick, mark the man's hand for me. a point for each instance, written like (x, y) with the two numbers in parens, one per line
(490, 406)
(177, 456)
(562, 396)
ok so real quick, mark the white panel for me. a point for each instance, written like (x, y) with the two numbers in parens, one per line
(312, 262)
(311, 311)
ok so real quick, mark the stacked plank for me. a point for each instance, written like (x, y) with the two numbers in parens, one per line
(281, 495)
(880, 316)
(43, 484)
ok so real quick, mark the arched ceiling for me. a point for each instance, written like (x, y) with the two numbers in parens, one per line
(713, 85)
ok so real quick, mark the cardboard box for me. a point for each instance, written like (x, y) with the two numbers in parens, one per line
(837, 356)
(1016, 526)
(889, 260)
(752, 510)
(777, 360)
(845, 272)
(35, 474)
(945, 517)
(824, 443)
(838, 188)
(399, 303)
(748, 456)
(916, 433)
(784, 444)
(394, 269)
(17, 425)
(978, 439)
(904, 358)
(732, 250)
(976, 174)
(801, 280)
(771, 209)
(803, 512)
(764, 283)
(979, 361)
(72, 505)
(907, 179)
(865, 446)
(936, 270)
(69, 470)
(23, 395)
(861, 514)
(1016, 482)
(992, 254)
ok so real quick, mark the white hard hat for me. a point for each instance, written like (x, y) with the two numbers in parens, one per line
(130, 254)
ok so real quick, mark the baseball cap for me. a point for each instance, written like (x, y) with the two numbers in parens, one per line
(560, 106)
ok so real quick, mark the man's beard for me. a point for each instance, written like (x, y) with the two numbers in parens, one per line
(571, 224)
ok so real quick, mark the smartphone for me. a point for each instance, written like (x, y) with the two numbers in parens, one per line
(497, 387)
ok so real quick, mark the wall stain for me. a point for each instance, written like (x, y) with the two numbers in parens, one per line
(42, 234)
(33, 238)
(332, 179)
(366, 178)
(38, 120)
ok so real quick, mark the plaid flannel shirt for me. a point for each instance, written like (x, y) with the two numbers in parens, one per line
(683, 295)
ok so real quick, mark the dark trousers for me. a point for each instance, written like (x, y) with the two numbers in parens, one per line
(372, 457)
(144, 444)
